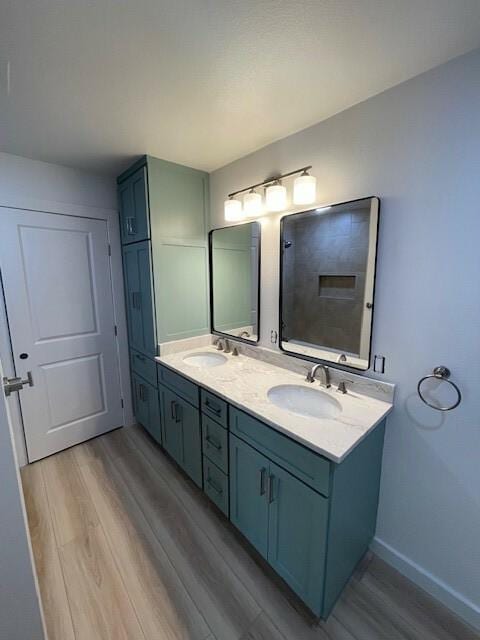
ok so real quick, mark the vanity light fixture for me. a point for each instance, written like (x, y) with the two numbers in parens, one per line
(233, 210)
(252, 204)
(304, 189)
(275, 195)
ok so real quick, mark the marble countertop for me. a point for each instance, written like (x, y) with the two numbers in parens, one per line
(244, 383)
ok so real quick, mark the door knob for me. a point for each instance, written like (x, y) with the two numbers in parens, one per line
(16, 384)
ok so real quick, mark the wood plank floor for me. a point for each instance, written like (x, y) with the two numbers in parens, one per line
(127, 548)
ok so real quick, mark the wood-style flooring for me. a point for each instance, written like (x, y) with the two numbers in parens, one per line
(127, 548)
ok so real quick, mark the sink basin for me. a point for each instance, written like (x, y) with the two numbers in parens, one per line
(303, 401)
(205, 359)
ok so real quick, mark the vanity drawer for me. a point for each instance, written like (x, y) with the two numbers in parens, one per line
(311, 468)
(215, 485)
(186, 389)
(215, 443)
(144, 366)
(214, 407)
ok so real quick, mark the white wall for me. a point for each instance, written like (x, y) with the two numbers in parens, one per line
(417, 147)
(20, 613)
(40, 186)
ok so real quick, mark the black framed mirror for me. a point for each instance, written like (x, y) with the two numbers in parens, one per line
(235, 281)
(327, 280)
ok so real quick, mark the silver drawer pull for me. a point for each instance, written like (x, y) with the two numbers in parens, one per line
(215, 408)
(271, 496)
(214, 486)
(263, 472)
(213, 443)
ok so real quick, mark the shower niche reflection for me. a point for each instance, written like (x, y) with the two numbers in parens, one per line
(327, 268)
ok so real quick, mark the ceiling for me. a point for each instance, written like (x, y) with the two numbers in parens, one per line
(94, 83)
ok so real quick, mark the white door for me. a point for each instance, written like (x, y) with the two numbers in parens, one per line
(56, 279)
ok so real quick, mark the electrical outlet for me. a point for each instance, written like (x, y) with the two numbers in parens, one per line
(379, 364)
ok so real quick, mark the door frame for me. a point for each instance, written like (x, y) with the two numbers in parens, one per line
(116, 278)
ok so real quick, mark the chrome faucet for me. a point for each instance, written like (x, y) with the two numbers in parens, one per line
(326, 374)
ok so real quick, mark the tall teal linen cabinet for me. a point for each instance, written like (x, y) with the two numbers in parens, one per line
(163, 210)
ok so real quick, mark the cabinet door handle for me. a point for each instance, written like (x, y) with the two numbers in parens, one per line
(213, 407)
(142, 392)
(172, 410)
(271, 480)
(214, 443)
(214, 486)
(141, 358)
(263, 473)
(131, 230)
(178, 412)
(136, 300)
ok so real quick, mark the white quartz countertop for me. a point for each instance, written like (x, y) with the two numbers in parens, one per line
(244, 382)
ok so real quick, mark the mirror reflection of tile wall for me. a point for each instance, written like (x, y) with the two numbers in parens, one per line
(328, 268)
(327, 265)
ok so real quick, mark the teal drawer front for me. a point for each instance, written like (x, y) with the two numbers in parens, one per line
(306, 465)
(186, 389)
(214, 407)
(144, 366)
(215, 443)
(215, 485)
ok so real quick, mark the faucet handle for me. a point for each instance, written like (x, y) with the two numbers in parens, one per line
(342, 386)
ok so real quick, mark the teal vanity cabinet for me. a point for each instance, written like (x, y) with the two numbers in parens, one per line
(163, 224)
(310, 518)
(181, 432)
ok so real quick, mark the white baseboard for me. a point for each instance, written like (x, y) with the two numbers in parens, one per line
(460, 605)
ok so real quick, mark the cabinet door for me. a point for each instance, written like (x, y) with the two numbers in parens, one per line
(172, 433)
(297, 535)
(249, 472)
(146, 406)
(133, 204)
(137, 269)
(181, 433)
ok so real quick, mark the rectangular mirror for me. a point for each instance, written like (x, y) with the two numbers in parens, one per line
(235, 281)
(327, 272)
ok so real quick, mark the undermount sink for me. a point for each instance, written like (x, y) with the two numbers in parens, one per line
(205, 359)
(303, 401)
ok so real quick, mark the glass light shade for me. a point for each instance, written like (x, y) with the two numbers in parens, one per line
(233, 210)
(276, 197)
(252, 204)
(304, 189)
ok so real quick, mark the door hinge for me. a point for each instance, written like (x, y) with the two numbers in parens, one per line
(115, 330)
(109, 249)
(121, 402)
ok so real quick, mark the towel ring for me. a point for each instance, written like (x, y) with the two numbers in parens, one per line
(440, 373)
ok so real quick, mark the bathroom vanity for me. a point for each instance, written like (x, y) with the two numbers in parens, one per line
(300, 483)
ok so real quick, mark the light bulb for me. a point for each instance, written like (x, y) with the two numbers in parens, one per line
(233, 210)
(304, 189)
(252, 204)
(276, 197)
